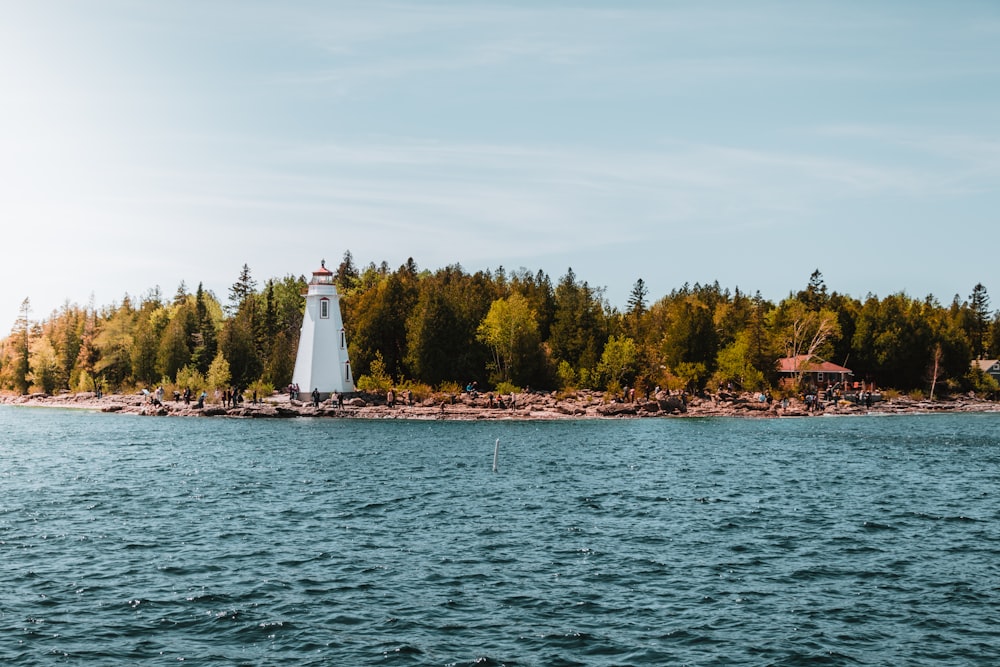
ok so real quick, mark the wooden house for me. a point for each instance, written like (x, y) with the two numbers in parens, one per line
(813, 371)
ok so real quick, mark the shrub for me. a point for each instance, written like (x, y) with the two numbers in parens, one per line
(377, 380)
(189, 378)
(262, 388)
(449, 387)
(566, 375)
(420, 390)
(507, 388)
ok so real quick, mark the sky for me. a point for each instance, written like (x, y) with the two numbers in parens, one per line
(143, 144)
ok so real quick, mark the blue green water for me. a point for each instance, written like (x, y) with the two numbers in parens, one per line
(843, 541)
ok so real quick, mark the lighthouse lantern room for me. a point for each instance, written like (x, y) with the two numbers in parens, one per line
(321, 362)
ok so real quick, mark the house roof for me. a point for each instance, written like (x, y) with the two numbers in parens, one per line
(985, 365)
(807, 364)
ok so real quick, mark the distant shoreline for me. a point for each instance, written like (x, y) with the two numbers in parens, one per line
(536, 406)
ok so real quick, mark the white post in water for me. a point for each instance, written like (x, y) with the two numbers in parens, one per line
(496, 452)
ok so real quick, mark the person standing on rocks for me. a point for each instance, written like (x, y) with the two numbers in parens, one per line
(315, 396)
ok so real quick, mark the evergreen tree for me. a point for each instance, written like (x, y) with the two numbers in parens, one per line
(204, 341)
(113, 343)
(347, 274)
(433, 334)
(814, 297)
(21, 366)
(237, 344)
(637, 298)
(145, 344)
(244, 287)
(579, 328)
(979, 320)
(180, 296)
(174, 352)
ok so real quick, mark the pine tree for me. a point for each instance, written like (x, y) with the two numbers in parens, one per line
(21, 353)
(244, 287)
(979, 320)
(637, 298)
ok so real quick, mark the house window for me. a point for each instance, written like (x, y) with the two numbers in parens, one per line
(819, 377)
(324, 308)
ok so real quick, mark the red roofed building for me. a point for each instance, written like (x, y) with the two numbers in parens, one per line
(812, 371)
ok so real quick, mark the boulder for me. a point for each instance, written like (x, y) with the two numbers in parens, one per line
(616, 409)
(672, 404)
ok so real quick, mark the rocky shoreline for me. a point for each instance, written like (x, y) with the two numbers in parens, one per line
(526, 406)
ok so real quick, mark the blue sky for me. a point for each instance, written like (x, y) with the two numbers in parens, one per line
(148, 143)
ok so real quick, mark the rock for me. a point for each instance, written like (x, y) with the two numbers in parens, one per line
(672, 404)
(616, 409)
(356, 402)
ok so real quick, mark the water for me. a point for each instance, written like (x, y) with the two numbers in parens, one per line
(844, 541)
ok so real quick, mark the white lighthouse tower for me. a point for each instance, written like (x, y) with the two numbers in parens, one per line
(321, 362)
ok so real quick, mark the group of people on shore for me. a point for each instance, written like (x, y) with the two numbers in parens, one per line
(233, 397)
(336, 398)
(157, 396)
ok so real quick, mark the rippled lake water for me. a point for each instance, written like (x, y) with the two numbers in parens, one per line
(830, 541)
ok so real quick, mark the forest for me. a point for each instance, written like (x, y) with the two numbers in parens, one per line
(439, 330)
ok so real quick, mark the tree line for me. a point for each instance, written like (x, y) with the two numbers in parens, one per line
(438, 330)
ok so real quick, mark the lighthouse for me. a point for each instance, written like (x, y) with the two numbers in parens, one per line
(321, 361)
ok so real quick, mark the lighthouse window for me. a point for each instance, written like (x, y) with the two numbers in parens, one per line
(347, 371)
(343, 340)
(324, 308)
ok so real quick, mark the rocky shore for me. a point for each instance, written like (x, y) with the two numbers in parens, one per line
(526, 406)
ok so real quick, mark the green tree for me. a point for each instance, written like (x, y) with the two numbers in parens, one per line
(237, 344)
(21, 366)
(174, 351)
(814, 297)
(434, 337)
(244, 287)
(113, 343)
(736, 362)
(688, 330)
(44, 374)
(510, 330)
(204, 341)
(218, 376)
(347, 274)
(580, 325)
(618, 360)
(376, 321)
(978, 320)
